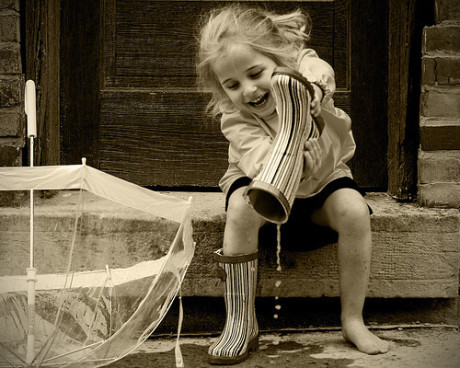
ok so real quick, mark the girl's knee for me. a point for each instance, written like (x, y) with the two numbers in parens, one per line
(355, 218)
(239, 211)
(352, 213)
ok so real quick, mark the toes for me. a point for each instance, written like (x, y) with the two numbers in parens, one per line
(384, 346)
(376, 346)
(366, 341)
(370, 348)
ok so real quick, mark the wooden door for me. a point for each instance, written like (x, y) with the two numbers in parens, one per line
(129, 102)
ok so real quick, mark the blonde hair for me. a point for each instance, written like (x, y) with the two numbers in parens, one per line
(279, 37)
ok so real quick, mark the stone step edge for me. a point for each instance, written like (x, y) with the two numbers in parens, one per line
(396, 226)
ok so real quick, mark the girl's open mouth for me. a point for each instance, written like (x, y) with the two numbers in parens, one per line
(260, 101)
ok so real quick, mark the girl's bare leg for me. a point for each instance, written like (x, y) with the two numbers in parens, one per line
(241, 234)
(346, 212)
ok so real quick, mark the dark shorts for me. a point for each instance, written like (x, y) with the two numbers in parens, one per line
(299, 233)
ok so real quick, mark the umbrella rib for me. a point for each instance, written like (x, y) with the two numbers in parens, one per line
(47, 346)
(90, 327)
(12, 352)
(72, 352)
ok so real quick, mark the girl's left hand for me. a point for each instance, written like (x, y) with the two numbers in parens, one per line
(315, 105)
(312, 157)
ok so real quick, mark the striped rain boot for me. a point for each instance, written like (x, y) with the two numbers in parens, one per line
(241, 332)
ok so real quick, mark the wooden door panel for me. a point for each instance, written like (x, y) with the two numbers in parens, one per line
(143, 119)
(153, 130)
(151, 44)
(160, 139)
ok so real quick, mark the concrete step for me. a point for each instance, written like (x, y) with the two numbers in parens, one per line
(415, 250)
(415, 255)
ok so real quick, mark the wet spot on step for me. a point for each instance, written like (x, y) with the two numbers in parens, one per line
(294, 352)
(194, 356)
(405, 342)
(290, 346)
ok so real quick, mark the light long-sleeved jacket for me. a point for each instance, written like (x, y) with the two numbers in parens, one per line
(250, 137)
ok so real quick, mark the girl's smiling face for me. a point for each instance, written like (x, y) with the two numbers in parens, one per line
(245, 76)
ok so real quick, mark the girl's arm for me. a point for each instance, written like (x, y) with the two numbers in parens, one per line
(249, 143)
(318, 72)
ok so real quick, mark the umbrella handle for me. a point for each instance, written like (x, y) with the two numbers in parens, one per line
(30, 108)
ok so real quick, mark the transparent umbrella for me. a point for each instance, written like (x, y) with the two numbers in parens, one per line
(92, 271)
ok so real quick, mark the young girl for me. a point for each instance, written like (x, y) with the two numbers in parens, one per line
(239, 48)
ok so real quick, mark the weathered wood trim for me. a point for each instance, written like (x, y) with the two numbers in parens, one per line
(341, 42)
(406, 21)
(401, 153)
(368, 84)
(80, 80)
(108, 49)
(42, 30)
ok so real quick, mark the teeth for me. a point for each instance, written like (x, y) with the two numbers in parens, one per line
(259, 101)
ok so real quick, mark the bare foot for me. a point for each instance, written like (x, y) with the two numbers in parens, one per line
(356, 333)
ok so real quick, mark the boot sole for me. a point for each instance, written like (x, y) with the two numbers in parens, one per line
(253, 345)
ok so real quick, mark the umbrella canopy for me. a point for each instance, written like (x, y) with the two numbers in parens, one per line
(100, 288)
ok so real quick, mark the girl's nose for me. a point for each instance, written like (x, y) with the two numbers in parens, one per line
(249, 90)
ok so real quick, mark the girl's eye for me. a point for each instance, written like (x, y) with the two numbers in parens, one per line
(256, 75)
(232, 86)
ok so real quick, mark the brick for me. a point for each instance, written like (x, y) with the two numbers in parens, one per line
(10, 60)
(444, 71)
(447, 10)
(9, 5)
(444, 37)
(439, 134)
(11, 92)
(11, 123)
(9, 28)
(439, 195)
(439, 166)
(440, 102)
(10, 155)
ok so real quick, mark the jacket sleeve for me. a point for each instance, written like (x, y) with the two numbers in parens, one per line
(249, 142)
(317, 71)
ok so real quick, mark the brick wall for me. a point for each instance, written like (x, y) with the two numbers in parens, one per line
(439, 154)
(11, 88)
